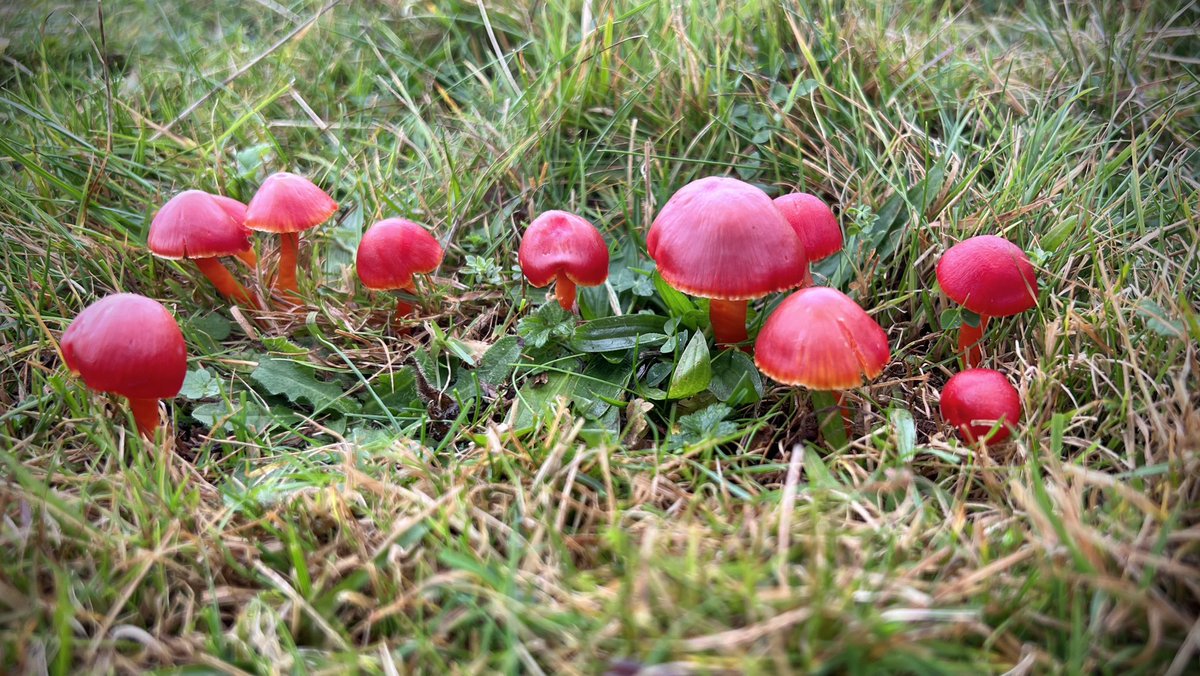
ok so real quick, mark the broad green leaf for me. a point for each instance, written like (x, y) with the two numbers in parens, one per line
(693, 373)
(282, 345)
(299, 384)
(678, 304)
(498, 362)
(816, 471)
(249, 414)
(735, 378)
(212, 325)
(906, 433)
(612, 334)
(200, 384)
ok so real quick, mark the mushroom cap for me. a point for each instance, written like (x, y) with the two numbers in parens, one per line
(973, 400)
(561, 242)
(128, 345)
(813, 222)
(286, 202)
(392, 251)
(194, 224)
(989, 276)
(819, 338)
(235, 209)
(721, 238)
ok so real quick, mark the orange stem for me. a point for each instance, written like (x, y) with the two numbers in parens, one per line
(564, 290)
(224, 281)
(970, 341)
(728, 321)
(145, 414)
(403, 307)
(808, 280)
(289, 246)
(248, 257)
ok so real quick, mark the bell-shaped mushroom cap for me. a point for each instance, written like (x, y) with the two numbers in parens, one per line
(128, 345)
(973, 401)
(235, 209)
(989, 276)
(721, 238)
(814, 223)
(286, 202)
(561, 242)
(193, 224)
(392, 251)
(821, 339)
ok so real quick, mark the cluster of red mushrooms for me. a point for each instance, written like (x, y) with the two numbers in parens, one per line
(717, 238)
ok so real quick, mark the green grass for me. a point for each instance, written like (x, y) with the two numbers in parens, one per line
(335, 498)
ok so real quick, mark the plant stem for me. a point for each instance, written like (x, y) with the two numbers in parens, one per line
(830, 417)
(728, 321)
(248, 257)
(564, 290)
(970, 342)
(289, 246)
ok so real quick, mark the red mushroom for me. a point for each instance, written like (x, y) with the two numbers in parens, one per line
(129, 345)
(815, 225)
(722, 239)
(981, 405)
(391, 252)
(287, 204)
(563, 248)
(991, 277)
(237, 211)
(194, 225)
(819, 338)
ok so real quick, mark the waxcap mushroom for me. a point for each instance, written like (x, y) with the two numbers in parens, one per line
(989, 276)
(819, 338)
(814, 223)
(975, 400)
(391, 252)
(288, 203)
(197, 226)
(560, 247)
(128, 345)
(723, 239)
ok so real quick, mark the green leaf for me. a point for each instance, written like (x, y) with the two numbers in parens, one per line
(1159, 320)
(693, 373)
(816, 471)
(735, 378)
(498, 362)
(299, 384)
(612, 334)
(212, 325)
(200, 384)
(550, 322)
(906, 433)
(282, 345)
(678, 304)
(248, 414)
(707, 423)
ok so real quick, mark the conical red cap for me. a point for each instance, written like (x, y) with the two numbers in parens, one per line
(392, 251)
(235, 209)
(288, 203)
(813, 222)
(974, 400)
(193, 224)
(989, 276)
(128, 345)
(721, 238)
(561, 242)
(821, 339)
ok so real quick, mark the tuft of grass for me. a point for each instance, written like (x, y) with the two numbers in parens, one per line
(503, 488)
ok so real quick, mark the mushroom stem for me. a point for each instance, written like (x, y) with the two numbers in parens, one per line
(289, 246)
(831, 417)
(145, 414)
(248, 257)
(728, 321)
(808, 280)
(224, 281)
(970, 340)
(564, 290)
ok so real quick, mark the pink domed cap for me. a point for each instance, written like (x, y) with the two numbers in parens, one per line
(989, 276)
(128, 345)
(814, 223)
(193, 224)
(559, 242)
(721, 238)
(974, 400)
(819, 338)
(392, 251)
(287, 202)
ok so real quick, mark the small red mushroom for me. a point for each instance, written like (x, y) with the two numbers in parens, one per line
(391, 252)
(287, 204)
(815, 225)
(977, 401)
(722, 239)
(129, 345)
(991, 277)
(237, 211)
(195, 226)
(563, 248)
(821, 339)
